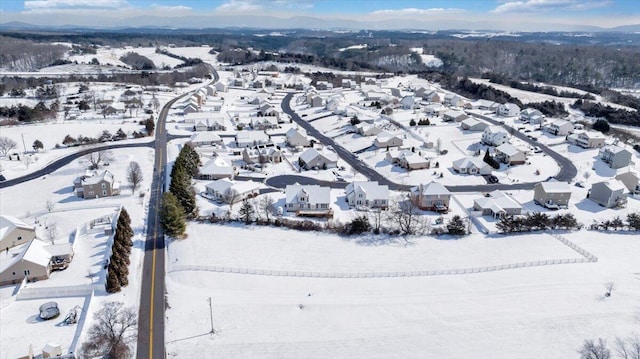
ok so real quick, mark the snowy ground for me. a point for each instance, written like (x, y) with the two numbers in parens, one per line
(532, 312)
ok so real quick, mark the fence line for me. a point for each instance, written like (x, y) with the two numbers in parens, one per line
(423, 273)
(26, 292)
(590, 257)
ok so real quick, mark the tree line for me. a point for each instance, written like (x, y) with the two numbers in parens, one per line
(179, 203)
(118, 268)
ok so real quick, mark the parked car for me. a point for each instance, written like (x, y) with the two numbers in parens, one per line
(49, 310)
(493, 179)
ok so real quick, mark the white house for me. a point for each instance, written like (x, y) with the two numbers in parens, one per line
(225, 190)
(560, 128)
(308, 200)
(297, 137)
(494, 136)
(407, 159)
(510, 154)
(385, 139)
(365, 129)
(508, 110)
(251, 138)
(473, 124)
(14, 232)
(311, 159)
(200, 139)
(472, 166)
(262, 154)
(588, 139)
(215, 169)
(497, 204)
(453, 100)
(531, 115)
(367, 194)
(454, 115)
(434, 109)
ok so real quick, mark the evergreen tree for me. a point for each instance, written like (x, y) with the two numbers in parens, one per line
(113, 284)
(172, 215)
(246, 211)
(456, 226)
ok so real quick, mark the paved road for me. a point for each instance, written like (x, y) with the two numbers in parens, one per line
(152, 298)
(59, 163)
(567, 169)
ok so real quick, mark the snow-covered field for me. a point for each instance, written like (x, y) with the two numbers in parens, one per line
(533, 312)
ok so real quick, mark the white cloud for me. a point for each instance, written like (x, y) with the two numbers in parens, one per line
(416, 11)
(46, 5)
(180, 8)
(549, 5)
(244, 6)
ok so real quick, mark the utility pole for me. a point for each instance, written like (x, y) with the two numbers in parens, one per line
(211, 313)
(23, 144)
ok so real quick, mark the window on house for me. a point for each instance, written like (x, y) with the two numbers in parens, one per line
(19, 238)
(104, 193)
(104, 185)
(27, 272)
(91, 193)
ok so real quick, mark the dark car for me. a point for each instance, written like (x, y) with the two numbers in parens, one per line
(492, 179)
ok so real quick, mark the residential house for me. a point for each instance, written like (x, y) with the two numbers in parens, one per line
(486, 105)
(365, 129)
(631, 181)
(201, 125)
(96, 185)
(560, 128)
(221, 87)
(367, 194)
(312, 159)
(348, 84)
(14, 232)
(473, 124)
(497, 204)
(431, 196)
(407, 103)
(588, 139)
(532, 116)
(552, 194)
(226, 190)
(31, 261)
(262, 154)
(453, 100)
(510, 154)
(190, 107)
(609, 193)
(508, 110)
(315, 101)
(297, 137)
(263, 123)
(472, 166)
(407, 159)
(385, 139)
(251, 138)
(615, 156)
(211, 90)
(432, 96)
(308, 200)
(215, 169)
(494, 136)
(453, 115)
(200, 139)
(434, 109)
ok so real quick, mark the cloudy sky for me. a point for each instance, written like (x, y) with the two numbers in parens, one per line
(527, 15)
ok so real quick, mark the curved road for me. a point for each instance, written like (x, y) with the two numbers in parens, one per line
(567, 170)
(59, 163)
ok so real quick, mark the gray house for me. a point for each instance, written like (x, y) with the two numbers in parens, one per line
(631, 181)
(552, 194)
(311, 158)
(609, 193)
(615, 156)
(431, 196)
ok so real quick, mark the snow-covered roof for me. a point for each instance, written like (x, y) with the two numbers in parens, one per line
(103, 176)
(251, 136)
(508, 149)
(497, 201)
(431, 188)
(495, 129)
(466, 162)
(312, 153)
(241, 187)
(216, 166)
(205, 136)
(371, 188)
(613, 149)
(593, 135)
(315, 193)
(8, 224)
(555, 187)
(612, 184)
(454, 113)
(33, 252)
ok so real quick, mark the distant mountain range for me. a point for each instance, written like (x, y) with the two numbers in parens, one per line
(297, 22)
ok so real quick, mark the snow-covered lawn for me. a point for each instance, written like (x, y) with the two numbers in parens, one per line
(533, 312)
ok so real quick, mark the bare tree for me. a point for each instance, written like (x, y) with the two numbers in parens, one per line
(112, 333)
(375, 218)
(266, 206)
(6, 145)
(51, 232)
(628, 348)
(593, 350)
(609, 286)
(403, 215)
(134, 175)
(50, 205)
(230, 197)
(96, 158)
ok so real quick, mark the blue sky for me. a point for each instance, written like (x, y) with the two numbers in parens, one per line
(504, 13)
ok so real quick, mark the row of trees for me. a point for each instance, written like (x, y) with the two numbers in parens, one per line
(180, 202)
(24, 113)
(526, 86)
(631, 223)
(537, 221)
(613, 115)
(105, 136)
(118, 269)
(623, 348)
